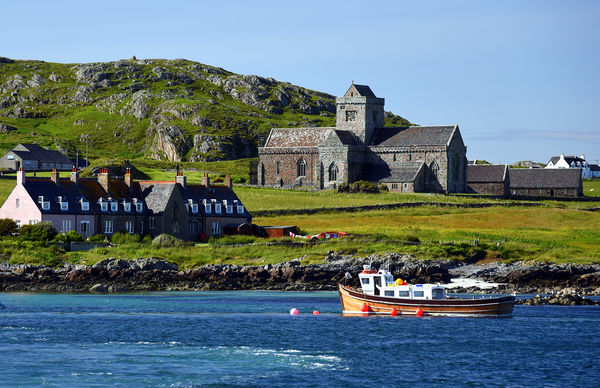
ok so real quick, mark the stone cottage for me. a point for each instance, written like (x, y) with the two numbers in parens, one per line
(360, 147)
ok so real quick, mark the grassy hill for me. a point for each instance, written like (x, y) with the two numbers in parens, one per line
(175, 110)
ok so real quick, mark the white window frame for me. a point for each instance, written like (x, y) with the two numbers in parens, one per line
(216, 227)
(152, 222)
(194, 208)
(46, 205)
(130, 226)
(217, 208)
(207, 208)
(127, 206)
(114, 206)
(33, 222)
(85, 205)
(139, 207)
(108, 227)
(229, 209)
(104, 206)
(87, 228)
(64, 205)
(66, 226)
(240, 209)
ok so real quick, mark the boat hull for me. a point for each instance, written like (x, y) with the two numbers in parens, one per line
(354, 301)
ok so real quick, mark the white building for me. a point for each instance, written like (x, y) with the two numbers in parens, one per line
(587, 170)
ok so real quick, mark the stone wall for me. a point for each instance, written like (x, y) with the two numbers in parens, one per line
(494, 188)
(288, 158)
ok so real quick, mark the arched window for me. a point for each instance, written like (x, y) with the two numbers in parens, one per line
(333, 172)
(302, 167)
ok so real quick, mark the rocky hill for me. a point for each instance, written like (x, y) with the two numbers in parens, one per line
(176, 110)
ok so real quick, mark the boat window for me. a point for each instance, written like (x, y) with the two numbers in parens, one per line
(378, 281)
(403, 294)
(419, 294)
(389, 293)
(365, 280)
(437, 293)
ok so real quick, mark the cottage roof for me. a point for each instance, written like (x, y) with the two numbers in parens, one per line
(157, 194)
(594, 167)
(400, 173)
(297, 137)
(544, 178)
(413, 136)
(36, 152)
(197, 193)
(568, 159)
(486, 173)
(67, 191)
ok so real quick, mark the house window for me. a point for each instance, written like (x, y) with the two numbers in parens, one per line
(277, 167)
(46, 205)
(350, 115)
(394, 186)
(195, 208)
(127, 206)
(229, 209)
(84, 228)
(10, 157)
(218, 208)
(193, 227)
(85, 205)
(108, 226)
(138, 207)
(240, 209)
(33, 222)
(114, 206)
(216, 228)
(129, 226)
(18, 222)
(64, 206)
(18, 204)
(66, 226)
(103, 206)
(207, 208)
(302, 167)
(333, 172)
(152, 222)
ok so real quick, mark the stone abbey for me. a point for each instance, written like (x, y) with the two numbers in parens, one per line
(406, 159)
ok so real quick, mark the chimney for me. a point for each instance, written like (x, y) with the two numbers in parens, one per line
(54, 176)
(206, 181)
(582, 156)
(20, 176)
(228, 182)
(181, 179)
(74, 176)
(128, 177)
(103, 179)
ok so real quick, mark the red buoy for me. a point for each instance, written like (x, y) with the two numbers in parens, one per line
(364, 308)
(315, 312)
(419, 312)
(394, 312)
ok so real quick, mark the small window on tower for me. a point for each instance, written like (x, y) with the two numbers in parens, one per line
(350, 115)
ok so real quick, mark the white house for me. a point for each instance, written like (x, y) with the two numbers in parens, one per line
(587, 170)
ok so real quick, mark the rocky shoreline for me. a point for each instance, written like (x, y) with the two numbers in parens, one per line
(155, 274)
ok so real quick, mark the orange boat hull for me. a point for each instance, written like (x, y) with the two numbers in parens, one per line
(354, 302)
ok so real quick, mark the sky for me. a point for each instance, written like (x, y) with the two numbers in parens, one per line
(521, 78)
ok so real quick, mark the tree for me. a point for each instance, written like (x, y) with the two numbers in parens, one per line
(8, 227)
(38, 232)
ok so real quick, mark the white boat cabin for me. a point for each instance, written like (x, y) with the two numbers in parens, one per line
(382, 283)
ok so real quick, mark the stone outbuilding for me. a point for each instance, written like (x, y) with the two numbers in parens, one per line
(360, 147)
(33, 157)
(545, 182)
(489, 179)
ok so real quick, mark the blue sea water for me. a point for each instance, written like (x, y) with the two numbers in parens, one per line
(187, 339)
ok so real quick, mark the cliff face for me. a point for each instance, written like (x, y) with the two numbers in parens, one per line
(163, 109)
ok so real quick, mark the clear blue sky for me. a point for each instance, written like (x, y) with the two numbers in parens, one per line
(521, 78)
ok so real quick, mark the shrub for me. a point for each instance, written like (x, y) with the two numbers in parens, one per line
(38, 232)
(358, 187)
(231, 240)
(383, 187)
(7, 227)
(98, 238)
(73, 236)
(125, 238)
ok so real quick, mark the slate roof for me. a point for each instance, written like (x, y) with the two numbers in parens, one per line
(594, 167)
(346, 137)
(219, 193)
(364, 90)
(297, 137)
(401, 173)
(486, 173)
(69, 191)
(157, 194)
(544, 178)
(36, 152)
(568, 159)
(413, 136)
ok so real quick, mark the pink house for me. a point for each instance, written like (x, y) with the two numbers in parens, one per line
(54, 200)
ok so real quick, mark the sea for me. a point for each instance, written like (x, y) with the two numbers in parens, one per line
(249, 338)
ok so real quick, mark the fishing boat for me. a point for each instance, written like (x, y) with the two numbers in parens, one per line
(380, 294)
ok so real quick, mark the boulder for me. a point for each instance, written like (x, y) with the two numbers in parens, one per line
(99, 288)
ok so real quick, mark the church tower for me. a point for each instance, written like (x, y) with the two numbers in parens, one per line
(360, 111)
